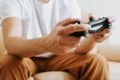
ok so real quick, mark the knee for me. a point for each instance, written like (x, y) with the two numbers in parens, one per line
(12, 66)
(12, 62)
(8, 65)
(8, 60)
(99, 59)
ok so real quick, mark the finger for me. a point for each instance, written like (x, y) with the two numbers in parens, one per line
(111, 19)
(68, 40)
(105, 31)
(102, 36)
(69, 21)
(74, 28)
(99, 36)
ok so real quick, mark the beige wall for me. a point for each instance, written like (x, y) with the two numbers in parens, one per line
(110, 51)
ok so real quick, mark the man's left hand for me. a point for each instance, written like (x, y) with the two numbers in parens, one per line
(103, 35)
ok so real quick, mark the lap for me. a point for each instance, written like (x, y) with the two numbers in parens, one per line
(71, 60)
(54, 62)
(77, 65)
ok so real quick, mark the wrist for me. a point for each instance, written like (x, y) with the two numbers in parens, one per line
(42, 43)
(91, 39)
(86, 46)
(48, 44)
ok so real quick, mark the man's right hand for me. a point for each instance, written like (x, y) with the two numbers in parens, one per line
(59, 40)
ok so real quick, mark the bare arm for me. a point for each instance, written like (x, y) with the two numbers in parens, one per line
(86, 46)
(55, 42)
(16, 44)
(89, 44)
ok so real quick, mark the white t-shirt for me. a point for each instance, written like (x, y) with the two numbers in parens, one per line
(38, 19)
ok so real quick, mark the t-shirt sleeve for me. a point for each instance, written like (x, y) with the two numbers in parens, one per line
(75, 9)
(9, 8)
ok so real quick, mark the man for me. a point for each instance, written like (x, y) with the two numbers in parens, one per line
(43, 27)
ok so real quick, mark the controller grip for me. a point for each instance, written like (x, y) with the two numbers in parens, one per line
(79, 34)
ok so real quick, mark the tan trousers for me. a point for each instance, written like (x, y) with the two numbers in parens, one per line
(82, 67)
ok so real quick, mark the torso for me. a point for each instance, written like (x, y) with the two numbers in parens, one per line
(40, 18)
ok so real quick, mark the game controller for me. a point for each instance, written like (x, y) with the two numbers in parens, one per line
(97, 25)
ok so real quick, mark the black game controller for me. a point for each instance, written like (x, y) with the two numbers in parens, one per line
(97, 25)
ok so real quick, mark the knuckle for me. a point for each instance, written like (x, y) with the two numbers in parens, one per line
(69, 19)
(59, 40)
(59, 23)
(61, 32)
(83, 27)
(72, 27)
(102, 35)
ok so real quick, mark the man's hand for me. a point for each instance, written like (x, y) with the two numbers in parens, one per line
(103, 35)
(59, 40)
(89, 43)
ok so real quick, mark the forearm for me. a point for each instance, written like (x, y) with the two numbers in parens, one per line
(86, 46)
(25, 48)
